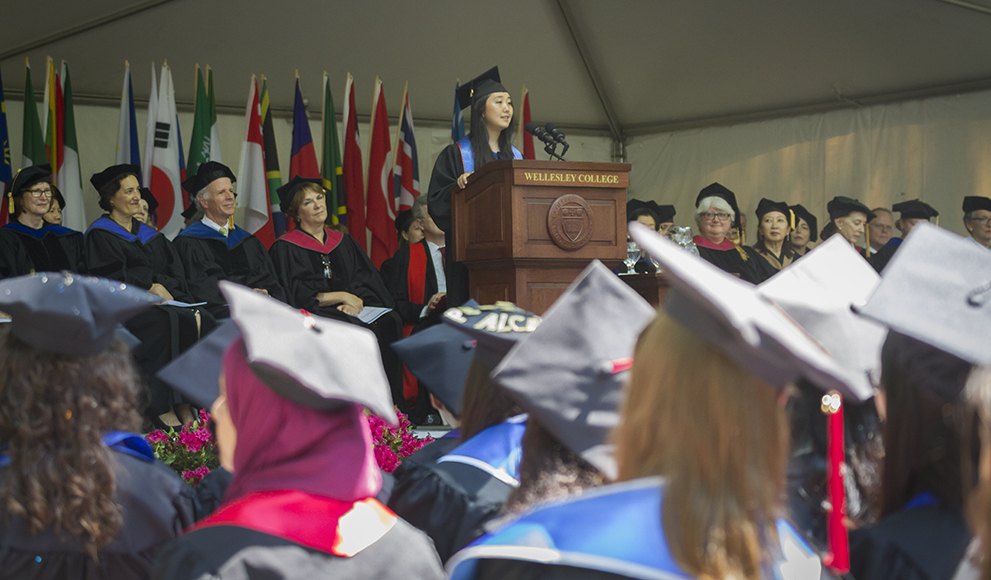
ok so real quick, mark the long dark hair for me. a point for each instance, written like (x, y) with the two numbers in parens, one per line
(54, 410)
(485, 403)
(479, 136)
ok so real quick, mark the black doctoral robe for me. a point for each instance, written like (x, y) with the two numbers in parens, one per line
(879, 260)
(396, 277)
(51, 248)
(306, 267)
(157, 506)
(728, 258)
(208, 257)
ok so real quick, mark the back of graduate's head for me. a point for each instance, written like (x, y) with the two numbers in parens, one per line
(485, 403)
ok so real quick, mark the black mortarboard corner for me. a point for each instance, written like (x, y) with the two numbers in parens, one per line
(496, 328)
(817, 292)
(288, 191)
(195, 372)
(310, 360)
(734, 318)
(150, 199)
(801, 212)
(766, 206)
(404, 219)
(481, 86)
(937, 289)
(206, 174)
(101, 179)
(569, 374)
(667, 213)
(69, 314)
(58, 197)
(440, 356)
(976, 202)
(718, 190)
(638, 207)
(189, 212)
(841, 206)
(915, 209)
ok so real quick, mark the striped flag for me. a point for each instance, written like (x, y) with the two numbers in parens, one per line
(150, 129)
(406, 170)
(332, 171)
(51, 123)
(199, 139)
(251, 187)
(272, 173)
(166, 176)
(33, 140)
(214, 126)
(6, 167)
(353, 180)
(70, 181)
(127, 126)
(304, 158)
(458, 122)
(526, 139)
(380, 195)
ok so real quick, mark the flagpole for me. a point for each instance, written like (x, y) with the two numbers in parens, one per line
(371, 129)
(399, 130)
(519, 134)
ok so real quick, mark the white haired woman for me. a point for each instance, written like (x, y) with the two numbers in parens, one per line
(715, 212)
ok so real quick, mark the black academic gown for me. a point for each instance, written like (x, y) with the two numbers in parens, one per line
(728, 258)
(157, 506)
(208, 257)
(301, 265)
(51, 248)
(396, 277)
(879, 260)
(142, 257)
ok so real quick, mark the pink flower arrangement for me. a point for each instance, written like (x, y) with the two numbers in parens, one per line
(393, 445)
(190, 451)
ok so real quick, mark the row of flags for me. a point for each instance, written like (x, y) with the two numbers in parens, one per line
(364, 201)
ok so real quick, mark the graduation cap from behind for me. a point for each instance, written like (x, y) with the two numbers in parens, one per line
(480, 87)
(440, 356)
(841, 206)
(310, 360)
(569, 374)
(108, 175)
(288, 191)
(733, 317)
(937, 289)
(915, 209)
(496, 328)
(195, 372)
(801, 212)
(817, 293)
(976, 202)
(150, 200)
(206, 174)
(69, 314)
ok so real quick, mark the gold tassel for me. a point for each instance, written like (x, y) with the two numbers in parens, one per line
(230, 223)
(867, 242)
(10, 203)
(743, 253)
(792, 214)
(937, 222)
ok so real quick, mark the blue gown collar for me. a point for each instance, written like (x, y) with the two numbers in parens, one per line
(145, 233)
(468, 156)
(496, 450)
(40, 232)
(200, 230)
(121, 441)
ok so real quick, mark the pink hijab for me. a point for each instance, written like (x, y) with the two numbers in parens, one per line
(283, 445)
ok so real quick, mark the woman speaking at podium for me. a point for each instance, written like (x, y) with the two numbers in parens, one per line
(491, 110)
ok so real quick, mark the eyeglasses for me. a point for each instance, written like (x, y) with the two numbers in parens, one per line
(982, 221)
(36, 193)
(711, 215)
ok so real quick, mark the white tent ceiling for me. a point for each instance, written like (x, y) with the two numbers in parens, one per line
(621, 67)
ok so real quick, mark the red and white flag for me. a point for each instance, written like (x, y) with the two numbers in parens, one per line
(526, 139)
(380, 196)
(252, 187)
(353, 180)
(406, 173)
(166, 181)
(150, 129)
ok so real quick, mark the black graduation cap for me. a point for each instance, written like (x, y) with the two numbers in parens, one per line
(766, 206)
(801, 212)
(187, 213)
(195, 372)
(718, 190)
(975, 202)
(440, 356)
(150, 199)
(404, 219)
(937, 289)
(496, 328)
(206, 174)
(915, 209)
(28, 176)
(841, 206)
(481, 86)
(288, 191)
(569, 374)
(310, 360)
(66, 313)
(58, 197)
(99, 180)
(661, 213)
(736, 319)
(666, 213)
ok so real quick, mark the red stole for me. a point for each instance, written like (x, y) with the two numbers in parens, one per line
(305, 240)
(342, 528)
(416, 280)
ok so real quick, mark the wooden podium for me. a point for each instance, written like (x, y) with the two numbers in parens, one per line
(526, 229)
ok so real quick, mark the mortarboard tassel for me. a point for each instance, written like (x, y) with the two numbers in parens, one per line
(230, 223)
(867, 242)
(10, 203)
(838, 556)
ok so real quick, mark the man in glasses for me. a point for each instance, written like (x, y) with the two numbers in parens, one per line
(977, 219)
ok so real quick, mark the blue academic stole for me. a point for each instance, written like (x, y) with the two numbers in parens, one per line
(468, 156)
(121, 441)
(496, 450)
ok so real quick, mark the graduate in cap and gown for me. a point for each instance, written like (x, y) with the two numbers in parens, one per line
(715, 212)
(977, 219)
(932, 297)
(291, 429)
(493, 123)
(775, 223)
(120, 247)
(28, 243)
(806, 231)
(451, 497)
(82, 495)
(325, 272)
(214, 249)
(911, 213)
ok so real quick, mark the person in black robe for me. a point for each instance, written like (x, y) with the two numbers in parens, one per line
(911, 213)
(29, 244)
(120, 247)
(806, 230)
(213, 249)
(326, 273)
(301, 502)
(491, 109)
(715, 211)
(94, 501)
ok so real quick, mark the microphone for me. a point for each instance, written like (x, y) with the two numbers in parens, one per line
(535, 130)
(558, 137)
